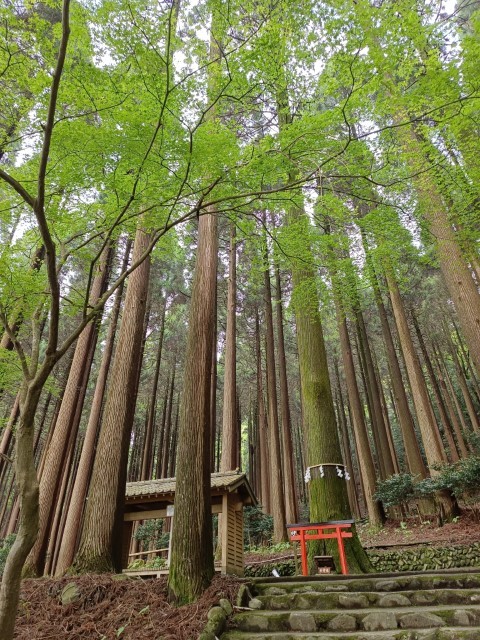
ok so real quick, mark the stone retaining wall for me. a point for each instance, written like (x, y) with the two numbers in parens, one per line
(423, 558)
(418, 559)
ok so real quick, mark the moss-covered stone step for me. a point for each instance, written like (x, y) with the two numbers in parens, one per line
(445, 633)
(349, 620)
(368, 583)
(364, 600)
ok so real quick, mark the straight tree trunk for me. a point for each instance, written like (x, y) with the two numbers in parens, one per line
(168, 428)
(215, 462)
(147, 461)
(8, 432)
(191, 566)
(73, 523)
(377, 459)
(347, 455)
(173, 455)
(385, 453)
(60, 504)
(262, 427)
(37, 445)
(161, 439)
(291, 510)
(468, 361)
(328, 496)
(275, 457)
(365, 460)
(454, 267)
(8, 501)
(431, 439)
(448, 394)
(68, 420)
(465, 390)
(100, 545)
(439, 397)
(386, 418)
(228, 461)
(413, 454)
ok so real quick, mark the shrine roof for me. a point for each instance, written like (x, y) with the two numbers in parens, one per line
(228, 482)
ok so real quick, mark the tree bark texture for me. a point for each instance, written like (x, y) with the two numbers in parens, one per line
(365, 459)
(73, 524)
(100, 545)
(461, 286)
(67, 423)
(426, 419)
(191, 567)
(147, 461)
(275, 457)
(228, 461)
(291, 509)
(27, 486)
(264, 456)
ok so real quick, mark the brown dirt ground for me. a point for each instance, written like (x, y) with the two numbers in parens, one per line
(414, 532)
(140, 607)
(106, 605)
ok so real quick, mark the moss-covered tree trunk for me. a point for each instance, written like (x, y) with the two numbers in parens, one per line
(27, 485)
(365, 458)
(328, 496)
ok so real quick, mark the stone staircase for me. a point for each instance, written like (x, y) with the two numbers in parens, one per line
(417, 606)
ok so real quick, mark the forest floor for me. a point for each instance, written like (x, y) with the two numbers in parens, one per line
(107, 608)
(465, 530)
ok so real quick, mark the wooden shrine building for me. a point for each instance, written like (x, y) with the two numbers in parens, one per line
(231, 491)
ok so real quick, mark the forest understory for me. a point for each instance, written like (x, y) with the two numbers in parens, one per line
(111, 606)
(235, 238)
(108, 607)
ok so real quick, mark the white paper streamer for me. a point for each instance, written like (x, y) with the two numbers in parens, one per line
(340, 469)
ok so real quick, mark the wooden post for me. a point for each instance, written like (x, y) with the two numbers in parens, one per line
(170, 513)
(127, 536)
(232, 534)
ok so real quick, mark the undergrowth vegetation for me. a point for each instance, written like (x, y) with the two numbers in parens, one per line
(461, 478)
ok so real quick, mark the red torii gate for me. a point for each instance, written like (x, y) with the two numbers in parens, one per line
(334, 529)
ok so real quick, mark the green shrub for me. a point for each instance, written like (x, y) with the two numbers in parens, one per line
(258, 527)
(396, 490)
(151, 532)
(462, 478)
(473, 439)
(5, 546)
(264, 570)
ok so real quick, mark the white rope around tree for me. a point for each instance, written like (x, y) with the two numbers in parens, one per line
(339, 468)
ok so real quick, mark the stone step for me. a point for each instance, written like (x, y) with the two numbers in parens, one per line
(366, 599)
(352, 620)
(428, 606)
(368, 583)
(445, 633)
